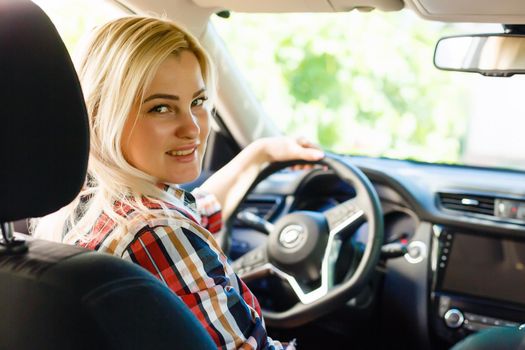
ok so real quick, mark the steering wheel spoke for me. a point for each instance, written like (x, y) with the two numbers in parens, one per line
(330, 259)
(343, 216)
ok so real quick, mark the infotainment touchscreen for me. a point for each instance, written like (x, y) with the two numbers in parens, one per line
(486, 267)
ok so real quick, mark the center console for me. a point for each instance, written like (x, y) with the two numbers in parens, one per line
(478, 281)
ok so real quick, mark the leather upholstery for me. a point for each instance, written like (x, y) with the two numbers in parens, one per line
(62, 297)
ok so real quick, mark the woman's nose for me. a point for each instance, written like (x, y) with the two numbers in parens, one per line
(189, 126)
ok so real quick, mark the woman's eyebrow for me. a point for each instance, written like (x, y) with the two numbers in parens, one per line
(165, 96)
(199, 92)
(171, 97)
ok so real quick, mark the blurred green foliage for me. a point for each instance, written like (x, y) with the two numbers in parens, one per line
(355, 83)
(314, 78)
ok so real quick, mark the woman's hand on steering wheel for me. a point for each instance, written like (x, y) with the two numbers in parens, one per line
(283, 148)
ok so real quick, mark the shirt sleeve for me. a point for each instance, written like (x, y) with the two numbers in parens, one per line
(188, 260)
(209, 209)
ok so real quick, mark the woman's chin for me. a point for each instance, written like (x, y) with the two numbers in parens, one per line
(182, 178)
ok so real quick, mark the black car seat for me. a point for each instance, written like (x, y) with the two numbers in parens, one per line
(55, 296)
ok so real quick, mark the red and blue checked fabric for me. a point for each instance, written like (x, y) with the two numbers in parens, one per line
(181, 251)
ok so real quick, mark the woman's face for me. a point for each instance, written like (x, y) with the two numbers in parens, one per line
(165, 133)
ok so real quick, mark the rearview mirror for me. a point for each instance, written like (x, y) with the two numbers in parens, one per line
(501, 55)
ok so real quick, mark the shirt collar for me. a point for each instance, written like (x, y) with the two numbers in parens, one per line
(184, 196)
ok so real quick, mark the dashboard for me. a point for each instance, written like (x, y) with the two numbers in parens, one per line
(464, 228)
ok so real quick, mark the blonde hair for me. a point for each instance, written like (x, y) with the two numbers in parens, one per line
(118, 63)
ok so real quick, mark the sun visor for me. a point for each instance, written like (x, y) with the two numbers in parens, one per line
(501, 11)
(276, 6)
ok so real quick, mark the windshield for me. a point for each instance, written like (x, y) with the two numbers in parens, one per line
(364, 83)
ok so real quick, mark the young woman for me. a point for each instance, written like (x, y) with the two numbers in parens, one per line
(148, 86)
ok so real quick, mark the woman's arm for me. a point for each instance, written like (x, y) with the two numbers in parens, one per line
(230, 182)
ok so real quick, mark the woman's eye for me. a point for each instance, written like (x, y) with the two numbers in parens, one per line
(198, 101)
(160, 109)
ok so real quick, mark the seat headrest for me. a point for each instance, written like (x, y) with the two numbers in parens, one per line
(44, 140)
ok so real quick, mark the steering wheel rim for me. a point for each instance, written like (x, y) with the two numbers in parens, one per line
(271, 257)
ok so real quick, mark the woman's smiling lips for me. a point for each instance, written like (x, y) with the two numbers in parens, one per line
(183, 154)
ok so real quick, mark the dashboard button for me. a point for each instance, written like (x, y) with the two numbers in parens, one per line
(488, 320)
(471, 326)
(417, 251)
(472, 317)
(454, 318)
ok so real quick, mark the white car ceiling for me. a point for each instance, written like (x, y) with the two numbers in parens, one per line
(196, 12)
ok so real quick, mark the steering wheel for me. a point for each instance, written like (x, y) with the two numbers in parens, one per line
(304, 246)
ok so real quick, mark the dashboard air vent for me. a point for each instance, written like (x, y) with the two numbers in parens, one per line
(469, 203)
(262, 206)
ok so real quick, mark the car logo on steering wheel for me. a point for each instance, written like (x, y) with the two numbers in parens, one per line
(291, 236)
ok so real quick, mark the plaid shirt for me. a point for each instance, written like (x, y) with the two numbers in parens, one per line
(181, 251)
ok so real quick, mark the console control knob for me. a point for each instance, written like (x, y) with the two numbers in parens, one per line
(453, 318)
